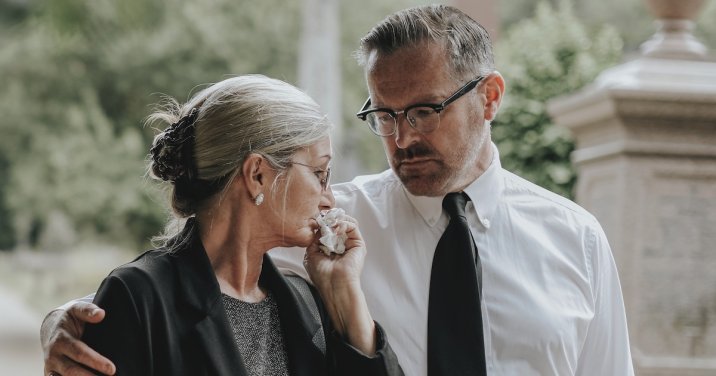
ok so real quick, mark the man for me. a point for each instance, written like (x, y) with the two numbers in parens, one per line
(545, 285)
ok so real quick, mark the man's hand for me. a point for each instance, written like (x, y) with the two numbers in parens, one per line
(65, 354)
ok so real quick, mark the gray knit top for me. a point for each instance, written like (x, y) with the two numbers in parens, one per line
(258, 334)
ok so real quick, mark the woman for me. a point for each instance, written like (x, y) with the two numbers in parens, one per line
(248, 163)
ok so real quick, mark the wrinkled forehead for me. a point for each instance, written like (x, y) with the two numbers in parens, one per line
(419, 73)
(379, 58)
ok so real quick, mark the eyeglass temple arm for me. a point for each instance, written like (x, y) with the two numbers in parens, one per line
(361, 114)
(468, 86)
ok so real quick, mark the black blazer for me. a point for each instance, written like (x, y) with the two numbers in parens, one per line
(164, 316)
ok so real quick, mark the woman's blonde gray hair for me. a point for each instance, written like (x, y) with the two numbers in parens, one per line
(231, 119)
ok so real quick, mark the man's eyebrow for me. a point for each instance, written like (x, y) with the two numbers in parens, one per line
(432, 99)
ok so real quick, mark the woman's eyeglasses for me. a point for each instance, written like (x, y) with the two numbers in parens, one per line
(324, 176)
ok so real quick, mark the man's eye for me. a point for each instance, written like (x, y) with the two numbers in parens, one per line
(422, 112)
(385, 118)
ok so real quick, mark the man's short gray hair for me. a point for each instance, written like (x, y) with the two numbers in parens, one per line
(467, 43)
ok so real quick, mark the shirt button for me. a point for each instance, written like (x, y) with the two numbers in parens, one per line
(486, 223)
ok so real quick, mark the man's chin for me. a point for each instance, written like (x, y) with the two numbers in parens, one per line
(422, 185)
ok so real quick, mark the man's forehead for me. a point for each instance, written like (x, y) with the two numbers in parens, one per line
(423, 50)
(408, 81)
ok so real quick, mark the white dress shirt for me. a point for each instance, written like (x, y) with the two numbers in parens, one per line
(551, 299)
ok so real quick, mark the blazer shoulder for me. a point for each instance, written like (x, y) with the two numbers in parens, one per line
(154, 268)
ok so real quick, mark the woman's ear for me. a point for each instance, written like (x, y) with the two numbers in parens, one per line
(494, 90)
(254, 174)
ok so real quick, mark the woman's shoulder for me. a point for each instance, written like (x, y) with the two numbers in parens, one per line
(152, 268)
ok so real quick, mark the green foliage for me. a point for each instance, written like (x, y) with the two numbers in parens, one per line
(79, 76)
(705, 29)
(543, 57)
(631, 18)
(7, 234)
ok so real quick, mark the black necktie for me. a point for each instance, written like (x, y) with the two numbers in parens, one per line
(455, 342)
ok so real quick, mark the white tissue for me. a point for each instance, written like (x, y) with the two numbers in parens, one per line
(330, 241)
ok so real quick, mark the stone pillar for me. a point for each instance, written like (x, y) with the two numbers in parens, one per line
(319, 74)
(319, 70)
(646, 156)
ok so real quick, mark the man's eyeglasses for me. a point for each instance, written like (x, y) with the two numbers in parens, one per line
(423, 117)
(324, 176)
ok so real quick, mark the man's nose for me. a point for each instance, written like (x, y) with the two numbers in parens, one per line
(405, 134)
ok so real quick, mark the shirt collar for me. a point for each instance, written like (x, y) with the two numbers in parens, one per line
(484, 193)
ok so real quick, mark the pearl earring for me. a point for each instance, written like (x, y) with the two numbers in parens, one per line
(259, 199)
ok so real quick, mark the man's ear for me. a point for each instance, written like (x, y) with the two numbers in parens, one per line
(253, 173)
(494, 91)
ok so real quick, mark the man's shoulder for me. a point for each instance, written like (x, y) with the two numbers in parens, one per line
(369, 187)
(521, 190)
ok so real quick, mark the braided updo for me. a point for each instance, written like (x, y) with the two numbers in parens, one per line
(210, 136)
(172, 151)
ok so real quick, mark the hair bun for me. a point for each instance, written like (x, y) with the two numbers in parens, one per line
(172, 151)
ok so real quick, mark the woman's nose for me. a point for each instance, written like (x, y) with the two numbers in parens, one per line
(327, 200)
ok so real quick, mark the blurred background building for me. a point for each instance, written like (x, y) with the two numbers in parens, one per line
(630, 135)
(646, 157)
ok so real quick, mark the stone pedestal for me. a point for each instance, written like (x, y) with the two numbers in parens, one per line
(673, 38)
(646, 156)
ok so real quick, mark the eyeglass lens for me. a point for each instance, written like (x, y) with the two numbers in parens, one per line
(422, 119)
(324, 176)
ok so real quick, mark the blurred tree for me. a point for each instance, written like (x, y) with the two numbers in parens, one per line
(630, 18)
(705, 28)
(7, 230)
(543, 57)
(13, 12)
(78, 77)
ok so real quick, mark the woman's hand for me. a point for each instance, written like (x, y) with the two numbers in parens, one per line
(337, 278)
(337, 271)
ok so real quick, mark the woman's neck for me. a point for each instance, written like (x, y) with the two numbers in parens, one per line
(235, 252)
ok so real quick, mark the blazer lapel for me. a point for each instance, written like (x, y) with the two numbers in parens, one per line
(202, 295)
(298, 324)
(213, 335)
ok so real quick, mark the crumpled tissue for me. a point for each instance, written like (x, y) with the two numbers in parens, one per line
(330, 241)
